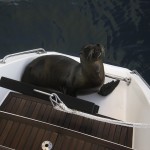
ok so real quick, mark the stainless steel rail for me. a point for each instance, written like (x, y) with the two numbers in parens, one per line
(38, 51)
(127, 80)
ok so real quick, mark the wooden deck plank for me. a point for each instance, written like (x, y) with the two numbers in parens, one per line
(38, 139)
(18, 136)
(123, 135)
(31, 138)
(36, 110)
(12, 132)
(24, 137)
(117, 134)
(5, 132)
(73, 122)
(56, 117)
(31, 109)
(2, 125)
(72, 144)
(102, 148)
(41, 112)
(87, 146)
(78, 123)
(61, 119)
(47, 113)
(59, 142)
(65, 145)
(129, 137)
(26, 106)
(95, 127)
(51, 115)
(86, 126)
(19, 110)
(112, 132)
(15, 105)
(106, 131)
(94, 147)
(89, 127)
(10, 105)
(80, 145)
(67, 120)
(100, 129)
(46, 136)
(53, 137)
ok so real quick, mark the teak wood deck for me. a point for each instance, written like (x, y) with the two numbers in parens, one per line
(25, 122)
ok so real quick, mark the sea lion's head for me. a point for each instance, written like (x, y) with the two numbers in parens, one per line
(91, 57)
(92, 52)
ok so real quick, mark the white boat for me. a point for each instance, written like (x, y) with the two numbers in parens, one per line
(127, 108)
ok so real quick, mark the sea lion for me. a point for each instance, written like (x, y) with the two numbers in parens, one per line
(65, 74)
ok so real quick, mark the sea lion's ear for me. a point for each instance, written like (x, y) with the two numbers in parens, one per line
(81, 52)
(83, 49)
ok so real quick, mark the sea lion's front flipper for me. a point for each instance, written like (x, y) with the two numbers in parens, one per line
(108, 88)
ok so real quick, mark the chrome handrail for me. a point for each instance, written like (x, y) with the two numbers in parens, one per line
(125, 79)
(38, 51)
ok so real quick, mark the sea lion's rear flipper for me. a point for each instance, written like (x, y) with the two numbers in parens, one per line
(108, 88)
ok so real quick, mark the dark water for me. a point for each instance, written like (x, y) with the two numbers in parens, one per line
(66, 25)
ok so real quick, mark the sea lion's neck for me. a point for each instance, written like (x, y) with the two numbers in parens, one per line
(94, 72)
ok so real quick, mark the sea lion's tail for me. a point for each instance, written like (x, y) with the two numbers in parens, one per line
(108, 88)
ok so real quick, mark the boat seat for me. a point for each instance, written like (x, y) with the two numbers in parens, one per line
(28, 89)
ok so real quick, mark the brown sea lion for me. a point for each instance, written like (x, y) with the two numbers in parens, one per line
(65, 74)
